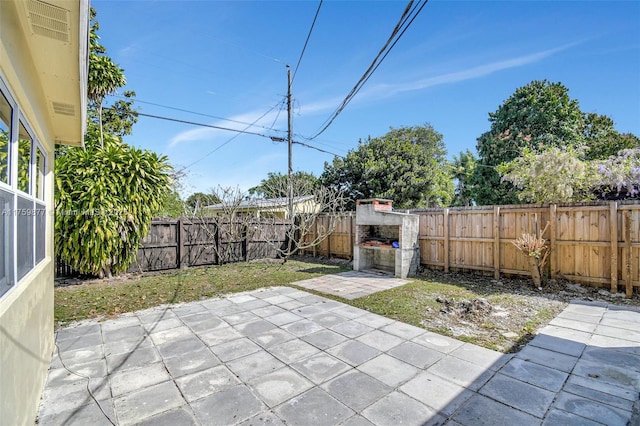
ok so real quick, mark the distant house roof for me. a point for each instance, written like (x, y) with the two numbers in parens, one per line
(267, 203)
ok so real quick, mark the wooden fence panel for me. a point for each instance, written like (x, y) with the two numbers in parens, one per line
(597, 244)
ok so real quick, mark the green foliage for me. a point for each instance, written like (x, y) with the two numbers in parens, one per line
(407, 165)
(603, 140)
(561, 176)
(119, 117)
(551, 176)
(197, 200)
(171, 205)
(24, 153)
(535, 116)
(107, 193)
(275, 185)
(105, 200)
(462, 170)
(539, 116)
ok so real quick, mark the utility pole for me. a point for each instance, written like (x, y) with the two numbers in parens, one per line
(290, 141)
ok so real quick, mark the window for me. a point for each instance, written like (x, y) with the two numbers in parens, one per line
(6, 112)
(23, 170)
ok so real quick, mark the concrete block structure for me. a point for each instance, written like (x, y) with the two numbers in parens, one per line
(385, 240)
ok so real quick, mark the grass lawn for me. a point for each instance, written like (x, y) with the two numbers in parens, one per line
(96, 298)
(512, 312)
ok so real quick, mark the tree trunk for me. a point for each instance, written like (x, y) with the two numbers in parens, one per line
(535, 272)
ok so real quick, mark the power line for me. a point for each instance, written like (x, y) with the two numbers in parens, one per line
(407, 18)
(230, 139)
(193, 112)
(306, 41)
(159, 117)
(317, 149)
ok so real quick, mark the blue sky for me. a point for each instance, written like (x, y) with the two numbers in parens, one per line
(457, 62)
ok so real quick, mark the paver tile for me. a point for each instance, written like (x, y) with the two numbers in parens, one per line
(353, 352)
(480, 356)
(535, 374)
(302, 327)
(314, 407)
(608, 373)
(254, 365)
(136, 406)
(558, 344)
(404, 330)
(197, 385)
(436, 392)
(272, 337)
(559, 417)
(521, 395)
(131, 380)
(380, 340)
(435, 341)
(88, 414)
(135, 359)
(266, 418)
(320, 367)
(388, 370)
(181, 416)
(461, 372)
(279, 386)
(234, 349)
(227, 407)
(221, 335)
(196, 361)
(356, 390)
(416, 355)
(80, 342)
(324, 339)
(592, 410)
(180, 347)
(293, 350)
(482, 411)
(548, 358)
(77, 332)
(351, 329)
(398, 409)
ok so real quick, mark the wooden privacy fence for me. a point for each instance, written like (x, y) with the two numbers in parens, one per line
(179, 243)
(595, 243)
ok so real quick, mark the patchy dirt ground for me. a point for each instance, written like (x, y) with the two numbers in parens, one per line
(501, 314)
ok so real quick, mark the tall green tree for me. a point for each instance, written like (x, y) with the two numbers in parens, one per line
(197, 200)
(107, 193)
(407, 165)
(275, 185)
(536, 116)
(462, 170)
(602, 140)
(105, 76)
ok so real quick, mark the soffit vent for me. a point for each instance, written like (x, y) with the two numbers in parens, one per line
(63, 109)
(48, 20)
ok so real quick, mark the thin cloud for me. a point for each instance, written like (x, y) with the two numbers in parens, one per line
(386, 90)
(208, 134)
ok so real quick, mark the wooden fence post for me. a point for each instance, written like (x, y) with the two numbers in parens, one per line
(553, 249)
(613, 230)
(496, 242)
(627, 253)
(315, 235)
(445, 229)
(180, 243)
(350, 237)
(328, 241)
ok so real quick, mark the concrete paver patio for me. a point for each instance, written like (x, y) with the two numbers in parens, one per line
(283, 356)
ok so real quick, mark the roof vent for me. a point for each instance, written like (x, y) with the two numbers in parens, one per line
(48, 20)
(63, 109)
